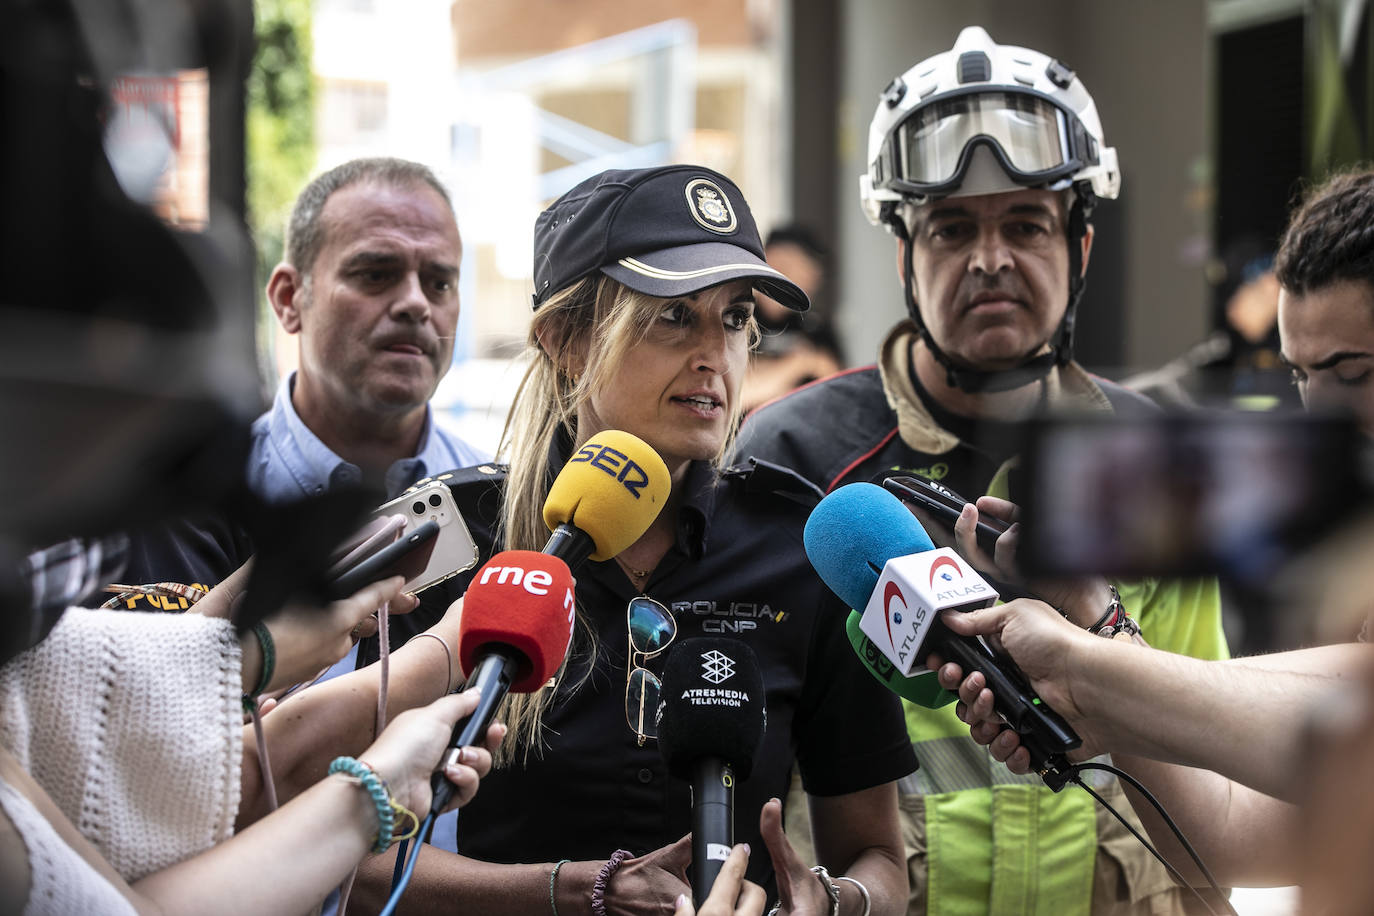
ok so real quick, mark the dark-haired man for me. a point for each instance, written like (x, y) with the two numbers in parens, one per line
(985, 162)
(1229, 746)
(1326, 297)
(369, 284)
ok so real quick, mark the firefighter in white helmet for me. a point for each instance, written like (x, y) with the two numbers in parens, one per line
(985, 162)
(984, 119)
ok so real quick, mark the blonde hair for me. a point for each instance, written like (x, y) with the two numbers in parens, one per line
(593, 324)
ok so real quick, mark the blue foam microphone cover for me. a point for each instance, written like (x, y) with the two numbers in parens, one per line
(853, 532)
(711, 705)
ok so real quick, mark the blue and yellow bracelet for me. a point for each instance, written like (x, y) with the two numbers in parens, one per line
(387, 807)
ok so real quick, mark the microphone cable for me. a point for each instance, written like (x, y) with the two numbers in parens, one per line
(405, 864)
(1075, 776)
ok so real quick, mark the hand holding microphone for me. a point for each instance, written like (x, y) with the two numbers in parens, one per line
(872, 553)
(1044, 646)
(403, 753)
(518, 613)
(712, 716)
(731, 894)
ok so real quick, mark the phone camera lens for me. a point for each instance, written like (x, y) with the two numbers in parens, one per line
(417, 507)
(435, 500)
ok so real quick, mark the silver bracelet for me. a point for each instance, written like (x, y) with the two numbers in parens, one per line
(831, 891)
(448, 654)
(863, 892)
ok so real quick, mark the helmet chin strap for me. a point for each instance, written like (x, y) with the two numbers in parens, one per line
(1033, 365)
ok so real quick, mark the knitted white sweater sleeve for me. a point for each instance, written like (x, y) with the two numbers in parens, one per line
(132, 723)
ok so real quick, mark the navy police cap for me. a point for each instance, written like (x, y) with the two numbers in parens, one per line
(666, 231)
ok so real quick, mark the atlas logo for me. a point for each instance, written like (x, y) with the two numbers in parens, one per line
(949, 590)
(941, 568)
(892, 591)
(617, 464)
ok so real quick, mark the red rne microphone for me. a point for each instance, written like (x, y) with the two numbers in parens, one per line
(521, 600)
(516, 624)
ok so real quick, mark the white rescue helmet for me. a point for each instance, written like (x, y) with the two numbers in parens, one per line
(983, 118)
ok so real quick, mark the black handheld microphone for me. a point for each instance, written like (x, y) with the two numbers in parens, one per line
(711, 719)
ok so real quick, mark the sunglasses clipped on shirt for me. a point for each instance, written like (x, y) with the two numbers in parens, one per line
(652, 628)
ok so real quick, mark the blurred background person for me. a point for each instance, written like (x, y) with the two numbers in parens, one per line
(1326, 300)
(1238, 365)
(794, 347)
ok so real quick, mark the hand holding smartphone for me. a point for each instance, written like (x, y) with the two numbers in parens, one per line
(420, 535)
(454, 549)
(945, 505)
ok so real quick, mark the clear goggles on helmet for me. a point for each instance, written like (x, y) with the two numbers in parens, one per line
(1036, 141)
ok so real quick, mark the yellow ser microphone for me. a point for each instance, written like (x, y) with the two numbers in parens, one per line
(605, 498)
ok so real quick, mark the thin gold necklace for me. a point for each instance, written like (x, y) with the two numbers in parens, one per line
(637, 574)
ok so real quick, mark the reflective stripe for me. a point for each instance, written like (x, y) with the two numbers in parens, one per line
(660, 273)
(954, 764)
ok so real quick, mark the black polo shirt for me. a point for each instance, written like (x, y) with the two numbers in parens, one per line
(737, 569)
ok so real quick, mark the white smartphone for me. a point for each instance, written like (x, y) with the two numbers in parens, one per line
(454, 549)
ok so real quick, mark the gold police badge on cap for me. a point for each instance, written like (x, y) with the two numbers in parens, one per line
(709, 206)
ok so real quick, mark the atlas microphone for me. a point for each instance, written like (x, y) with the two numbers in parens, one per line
(518, 612)
(712, 716)
(875, 555)
(920, 688)
(516, 624)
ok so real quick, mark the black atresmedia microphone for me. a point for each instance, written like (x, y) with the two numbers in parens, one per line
(711, 719)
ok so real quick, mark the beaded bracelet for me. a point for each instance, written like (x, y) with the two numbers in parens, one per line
(375, 787)
(553, 882)
(269, 665)
(603, 878)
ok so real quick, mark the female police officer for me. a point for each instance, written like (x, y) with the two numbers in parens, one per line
(643, 322)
